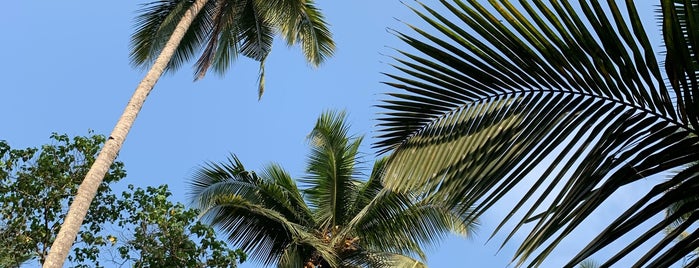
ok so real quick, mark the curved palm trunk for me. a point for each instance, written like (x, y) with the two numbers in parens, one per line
(88, 188)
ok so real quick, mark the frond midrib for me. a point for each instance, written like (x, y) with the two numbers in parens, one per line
(630, 106)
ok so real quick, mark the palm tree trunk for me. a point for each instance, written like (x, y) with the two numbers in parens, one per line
(88, 188)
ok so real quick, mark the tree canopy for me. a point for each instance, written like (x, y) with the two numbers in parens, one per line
(141, 227)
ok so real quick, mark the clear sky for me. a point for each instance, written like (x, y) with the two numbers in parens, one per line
(65, 69)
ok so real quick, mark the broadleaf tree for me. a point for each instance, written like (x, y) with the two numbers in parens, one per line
(36, 185)
(155, 232)
(169, 33)
(140, 228)
(558, 105)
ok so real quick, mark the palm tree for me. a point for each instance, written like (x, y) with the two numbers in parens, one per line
(565, 101)
(170, 32)
(338, 220)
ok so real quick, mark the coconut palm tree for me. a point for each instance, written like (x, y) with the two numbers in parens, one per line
(336, 220)
(560, 104)
(170, 32)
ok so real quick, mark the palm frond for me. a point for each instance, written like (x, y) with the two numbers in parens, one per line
(677, 206)
(314, 35)
(155, 23)
(348, 223)
(402, 225)
(369, 189)
(588, 264)
(274, 190)
(301, 22)
(331, 170)
(261, 232)
(296, 255)
(221, 48)
(291, 200)
(491, 93)
(680, 30)
(389, 218)
(380, 259)
(256, 33)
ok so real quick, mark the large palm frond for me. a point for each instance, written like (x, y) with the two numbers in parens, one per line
(222, 46)
(331, 170)
(263, 214)
(569, 95)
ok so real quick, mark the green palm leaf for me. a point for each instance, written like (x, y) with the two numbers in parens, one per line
(331, 170)
(221, 48)
(262, 232)
(312, 31)
(260, 213)
(569, 95)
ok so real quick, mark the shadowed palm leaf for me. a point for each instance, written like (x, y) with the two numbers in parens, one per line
(572, 89)
(343, 221)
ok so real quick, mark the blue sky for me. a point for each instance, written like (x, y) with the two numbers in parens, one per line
(66, 70)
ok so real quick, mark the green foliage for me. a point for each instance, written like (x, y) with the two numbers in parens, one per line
(159, 233)
(36, 186)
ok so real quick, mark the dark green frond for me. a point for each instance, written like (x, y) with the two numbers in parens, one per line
(155, 23)
(301, 22)
(674, 208)
(402, 261)
(261, 232)
(256, 33)
(313, 34)
(274, 190)
(380, 259)
(221, 48)
(389, 218)
(288, 195)
(263, 214)
(225, 178)
(681, 33)
(564, 100)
